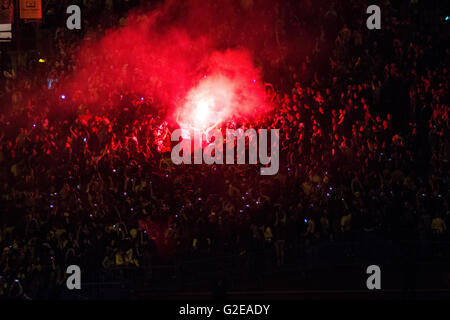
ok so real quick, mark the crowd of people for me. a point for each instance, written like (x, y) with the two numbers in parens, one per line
(363, 151)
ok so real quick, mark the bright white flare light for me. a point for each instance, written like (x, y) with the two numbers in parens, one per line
(202, 112)
(208, 103)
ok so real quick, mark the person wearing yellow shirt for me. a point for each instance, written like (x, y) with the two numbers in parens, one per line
(120, 261)
(438, 226)
(59, 232)
(15, 169)
(268, 235)
(306, 186)
(345, 222)
(129, 258)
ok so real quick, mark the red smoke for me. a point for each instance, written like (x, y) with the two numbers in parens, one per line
(231, 87)
(166, 53)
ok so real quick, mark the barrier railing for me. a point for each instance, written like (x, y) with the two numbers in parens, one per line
(259, 269)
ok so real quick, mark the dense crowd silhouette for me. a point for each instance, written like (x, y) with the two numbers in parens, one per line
(364, 148)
